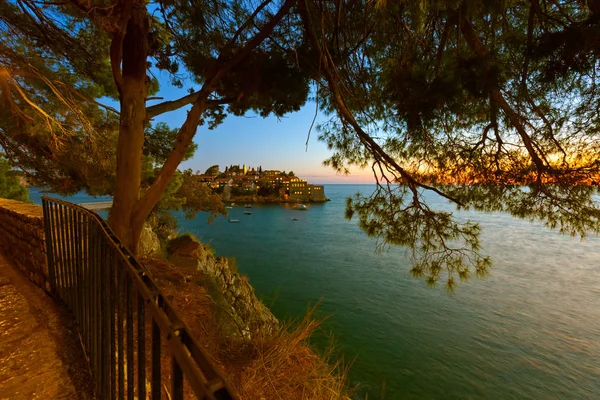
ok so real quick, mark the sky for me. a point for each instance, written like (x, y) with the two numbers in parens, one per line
(255, 141)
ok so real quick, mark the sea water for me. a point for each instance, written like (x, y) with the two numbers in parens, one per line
(531, 330)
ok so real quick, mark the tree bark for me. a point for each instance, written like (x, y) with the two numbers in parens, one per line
(131, 129)
(184, 139)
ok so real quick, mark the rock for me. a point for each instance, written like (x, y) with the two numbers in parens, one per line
(149, 243)
(247, 315)
(185, 251)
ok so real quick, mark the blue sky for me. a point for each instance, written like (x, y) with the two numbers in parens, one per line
(255, 141)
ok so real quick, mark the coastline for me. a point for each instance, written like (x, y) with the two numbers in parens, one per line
(254, 199)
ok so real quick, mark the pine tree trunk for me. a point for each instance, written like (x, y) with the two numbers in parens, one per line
(131, 130)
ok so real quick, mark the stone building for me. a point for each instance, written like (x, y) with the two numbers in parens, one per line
(316, 193)
(298, 189)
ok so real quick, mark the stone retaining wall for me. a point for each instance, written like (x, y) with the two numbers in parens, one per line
(22, 239)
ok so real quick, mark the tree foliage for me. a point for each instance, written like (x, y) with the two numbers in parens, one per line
(491, 105)
(213, 170)
(186, 193)
(10, 187)
(159, 141)
(50, 75)
(199, 197)
(59, 58)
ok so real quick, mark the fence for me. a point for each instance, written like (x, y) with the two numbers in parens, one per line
(119, 311)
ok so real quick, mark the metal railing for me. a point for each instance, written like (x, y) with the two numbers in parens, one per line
(119, 311)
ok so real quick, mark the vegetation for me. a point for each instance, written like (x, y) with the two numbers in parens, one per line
(10, 187)
(214, 170)
(497, 98)
(184, 191)
(282, 364)
(270, 190)
(492, 96)
(58, 59)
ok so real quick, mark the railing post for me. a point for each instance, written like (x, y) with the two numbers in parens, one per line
(113, 321)
(120, 322)
(176, 380)
(156, 389)
(77, 244)
(49, 236)
(106, 319)
(129, 327)
(141, 334)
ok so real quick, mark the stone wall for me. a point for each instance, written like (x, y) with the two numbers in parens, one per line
(22, 239)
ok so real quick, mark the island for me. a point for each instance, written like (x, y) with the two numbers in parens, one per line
(255, 185)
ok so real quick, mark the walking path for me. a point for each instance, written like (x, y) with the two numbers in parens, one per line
(40, 352)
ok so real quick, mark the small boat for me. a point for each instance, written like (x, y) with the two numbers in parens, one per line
(300, 207)
(233, 221)
(248, 206)
(228, 207)
(248, 212)
(294, 219)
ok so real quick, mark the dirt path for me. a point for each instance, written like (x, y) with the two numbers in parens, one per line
(40, 352)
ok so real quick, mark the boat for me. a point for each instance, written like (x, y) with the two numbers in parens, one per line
(228, 207)
(248, 206)
(294, 219)
(248, 212)
(300, 207)
(233, 221)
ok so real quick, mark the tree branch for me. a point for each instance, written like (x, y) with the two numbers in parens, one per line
(496, 96)
(247, 22)
(172, 105)
(442, 46)
(346, 114)
(188, 129)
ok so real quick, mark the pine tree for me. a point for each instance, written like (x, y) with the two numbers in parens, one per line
(61, 49)
(426, 94)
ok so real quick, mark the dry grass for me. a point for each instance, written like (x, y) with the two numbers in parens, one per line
(280, 366)
(284, 366)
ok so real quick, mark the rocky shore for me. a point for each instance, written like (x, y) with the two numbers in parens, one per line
(251, 199)
(245, 315)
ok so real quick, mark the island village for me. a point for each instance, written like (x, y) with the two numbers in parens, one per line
(255, 184)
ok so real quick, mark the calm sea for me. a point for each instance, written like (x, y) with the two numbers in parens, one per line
(529, 331)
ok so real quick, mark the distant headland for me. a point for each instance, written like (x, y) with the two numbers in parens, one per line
(255, 185)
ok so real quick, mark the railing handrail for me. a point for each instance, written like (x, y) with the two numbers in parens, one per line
(195, 364)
